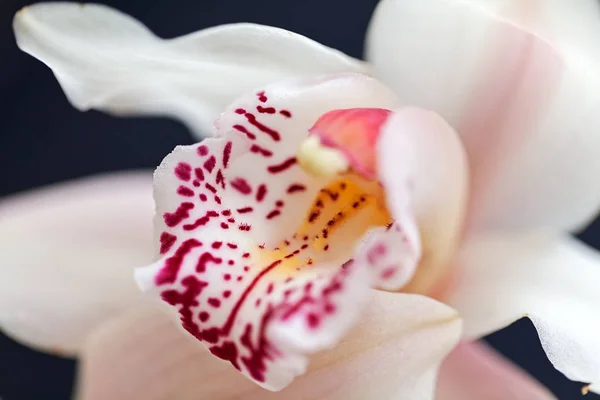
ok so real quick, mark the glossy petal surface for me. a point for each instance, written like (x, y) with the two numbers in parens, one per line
(551, 279)
(107, 60)
(519, 82)
(67, 253)
(144, 356)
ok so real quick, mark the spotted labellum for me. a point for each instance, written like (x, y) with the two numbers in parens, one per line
(272, 233)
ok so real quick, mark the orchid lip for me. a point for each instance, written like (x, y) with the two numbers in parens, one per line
(270, 243)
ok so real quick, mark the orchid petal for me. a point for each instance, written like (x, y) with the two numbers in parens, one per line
(252, 270)
(424, 171)
(475, 371)
(107, 60)
(142, 355)
(67, 253)
(519, 82)
(551, 279)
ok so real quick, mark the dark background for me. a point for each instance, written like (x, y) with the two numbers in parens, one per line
(44, 140)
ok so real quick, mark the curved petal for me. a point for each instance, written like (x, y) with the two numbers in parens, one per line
(423, 167)
(475, 371)
(107, 60)
(393, 353)
(553, 280)
(519, 82)
(67, 253)
(241, 261)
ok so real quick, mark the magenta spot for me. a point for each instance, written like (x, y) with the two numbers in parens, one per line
(304, 246)
(214, 302)
(210, 164)
(240, 111)
(224, 225)
(244, 227)
(230, 262)
(220, 179)
(168, 273)
(266, 110)
(262, 97)
(241, 185)
(263, 128)
(202, 150)
(217, 200)
(246, 268)
(275, 169)
(199, 174)
(244, 210)
(273, 214)
(201, 221)
(326, 247)
(232, 245)
(227, 277)
(246, 255)
(239, 278)
(308, 287)
(183, 171)
(313, 321)
(227, 293)
(203, 197)
(210, 187)
(256, 149)
(257, 302)
(226, 154)
(166, 242)
(296, 187)
(217, 245)
(329, 308)
(285, 113)
(226, 213)
(204, 316)
(241, 128)
(182, 212)
(279, 203)
(231, 220)
(261, 192)
(377, 251)
(196, 183)
(270, 288)
(227, 351)
(206, 258)
(187, 300)
(185, 191)
(388, 273)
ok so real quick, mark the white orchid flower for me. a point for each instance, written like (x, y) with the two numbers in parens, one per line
(457, 179)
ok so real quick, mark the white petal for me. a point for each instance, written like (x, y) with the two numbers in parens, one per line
(474, 371)
(67, 254)
(107, 60)
(553, 280)
(393, 354)
(423, 168)
(519, 82)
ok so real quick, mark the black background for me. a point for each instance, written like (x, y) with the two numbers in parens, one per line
(44, 140)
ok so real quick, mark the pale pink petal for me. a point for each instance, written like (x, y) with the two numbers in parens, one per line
(107, 60)
(243, 261)
(394, 353)
(423, 168)
(519, 82)
(551, 279)
(473, 371)
(67, 253)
